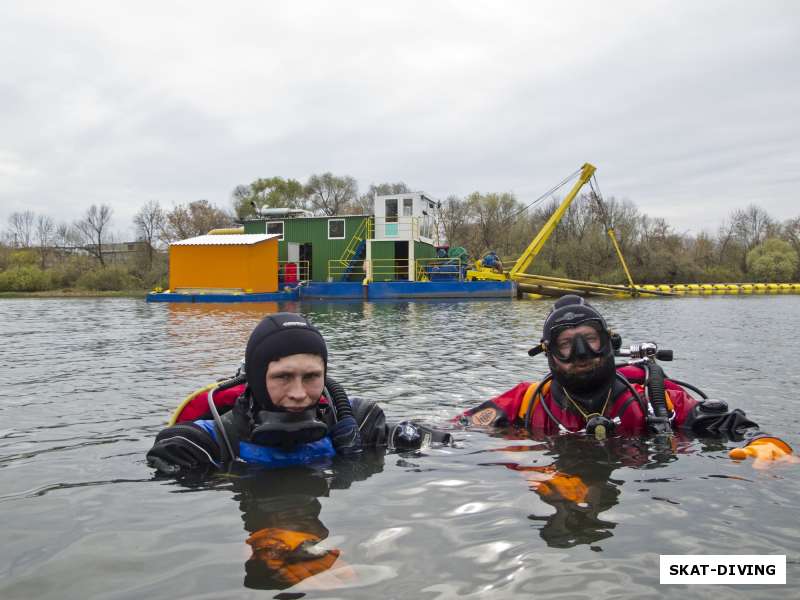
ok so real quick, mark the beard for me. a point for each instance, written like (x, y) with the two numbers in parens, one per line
(586, 382)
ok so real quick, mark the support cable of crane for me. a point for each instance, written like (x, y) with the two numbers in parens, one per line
(595, 187)
(548, 192)
(610, 230)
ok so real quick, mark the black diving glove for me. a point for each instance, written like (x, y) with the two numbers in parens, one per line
(182, 447)
(346, 438)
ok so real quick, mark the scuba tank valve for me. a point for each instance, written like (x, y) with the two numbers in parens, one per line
(645, 350)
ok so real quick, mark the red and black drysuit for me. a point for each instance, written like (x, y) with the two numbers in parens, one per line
(513, 408)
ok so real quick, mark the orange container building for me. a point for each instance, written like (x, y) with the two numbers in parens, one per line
(232, 263)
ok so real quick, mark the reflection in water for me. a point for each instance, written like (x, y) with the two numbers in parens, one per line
(281, 512)
(578, 483)
(187, 317)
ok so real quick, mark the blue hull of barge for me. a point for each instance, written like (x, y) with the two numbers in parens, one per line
(382, 290)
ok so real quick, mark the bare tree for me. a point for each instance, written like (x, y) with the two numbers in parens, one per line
(44, 236)
(93, 229)
(193, 219)
(364, 203)
(494, 214)
(454, 219)
(21, 228)
(66, 237)
(149, 223)
(792, 232)
(750, 226)
(331, 195)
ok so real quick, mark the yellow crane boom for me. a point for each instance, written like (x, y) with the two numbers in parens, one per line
(526, 258)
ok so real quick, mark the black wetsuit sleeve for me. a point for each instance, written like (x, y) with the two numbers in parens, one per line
(712, 417)
(183, 447)
(371, 422)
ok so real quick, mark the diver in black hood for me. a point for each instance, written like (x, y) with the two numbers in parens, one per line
(283, 410)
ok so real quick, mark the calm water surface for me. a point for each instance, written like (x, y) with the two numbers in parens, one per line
(86, 385)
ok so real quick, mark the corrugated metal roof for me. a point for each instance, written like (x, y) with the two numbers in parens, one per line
(241, 239)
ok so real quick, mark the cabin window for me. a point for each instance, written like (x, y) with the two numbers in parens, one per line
(275, 227)
(408, 207)
(391, 210)
(335, 229)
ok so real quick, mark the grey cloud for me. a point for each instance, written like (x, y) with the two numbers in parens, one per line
(688, 111)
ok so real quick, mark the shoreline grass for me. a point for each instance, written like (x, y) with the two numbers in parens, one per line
(72, 293)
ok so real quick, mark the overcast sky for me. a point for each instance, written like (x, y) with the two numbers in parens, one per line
(688, 109)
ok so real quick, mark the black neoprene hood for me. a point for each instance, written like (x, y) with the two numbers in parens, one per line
(570, 311)
(276, 336)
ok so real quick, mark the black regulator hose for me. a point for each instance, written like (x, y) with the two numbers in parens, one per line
(224, 385)
(700, 392)
(339, 399)
(657, 394)
(634, 392)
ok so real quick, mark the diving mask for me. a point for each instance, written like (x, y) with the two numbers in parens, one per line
(591, 342)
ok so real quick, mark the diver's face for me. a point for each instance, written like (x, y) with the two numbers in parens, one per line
(563, 347)
(295, 382)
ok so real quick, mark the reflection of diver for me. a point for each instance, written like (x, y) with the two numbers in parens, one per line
(578, 483)
(281, 512)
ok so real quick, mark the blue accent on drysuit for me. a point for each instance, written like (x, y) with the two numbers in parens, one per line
(270, 456)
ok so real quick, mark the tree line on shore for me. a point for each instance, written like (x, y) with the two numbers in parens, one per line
(749, 246)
